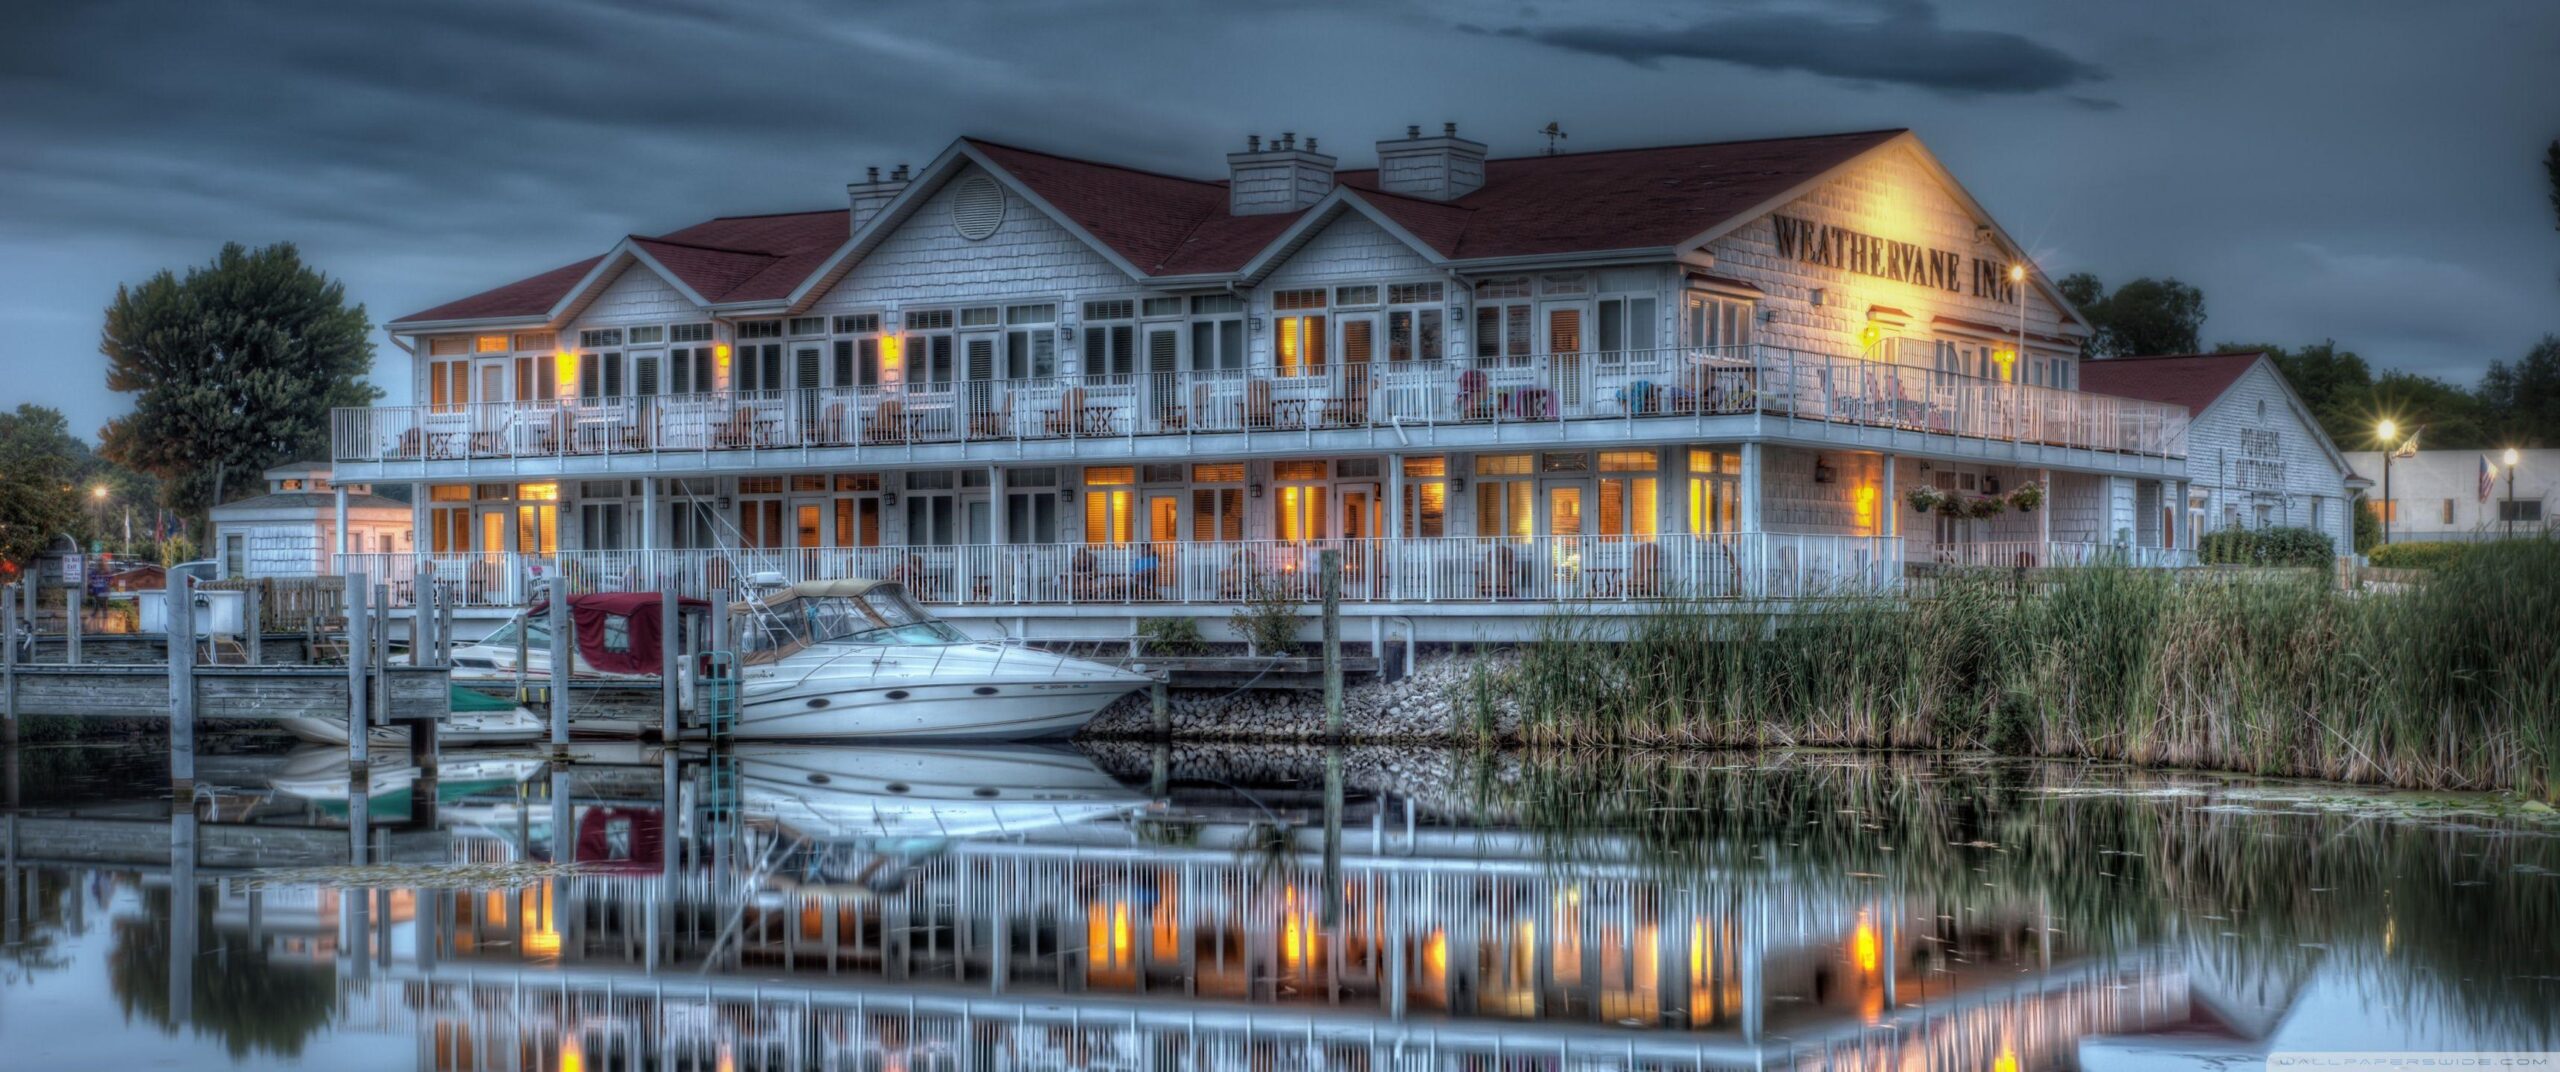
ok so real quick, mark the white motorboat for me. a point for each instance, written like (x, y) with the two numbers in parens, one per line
(857, 658)
(907, 793)
(476, 719)
(319, 775)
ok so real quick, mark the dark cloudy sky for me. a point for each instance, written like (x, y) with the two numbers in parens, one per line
(2364, 171)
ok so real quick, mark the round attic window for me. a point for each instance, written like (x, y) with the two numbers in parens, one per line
(978, 208)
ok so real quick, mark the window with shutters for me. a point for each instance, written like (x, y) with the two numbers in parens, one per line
(689, 370)
(600, 375)
(1217, 332)
(1625, 326)
(1110, 338)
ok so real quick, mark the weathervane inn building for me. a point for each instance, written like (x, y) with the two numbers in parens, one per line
(1055, 395)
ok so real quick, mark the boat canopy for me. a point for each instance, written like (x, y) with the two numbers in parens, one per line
(853, 609)
(617, 632)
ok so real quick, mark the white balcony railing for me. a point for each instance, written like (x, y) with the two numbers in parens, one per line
(2037, 554)
(1545, 388)
(1536, 569)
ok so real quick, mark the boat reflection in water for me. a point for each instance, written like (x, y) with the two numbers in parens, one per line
(1028, 907)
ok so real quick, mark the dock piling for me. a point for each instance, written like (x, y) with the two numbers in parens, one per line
(8, 668)
(1331, 563)
(378, 668)
(422, 623)
(253, 622)
(444, 626)
(670, 659)
(71, 594)
(1160, 704)
(180, 599)
(559, 597)
(359, 648)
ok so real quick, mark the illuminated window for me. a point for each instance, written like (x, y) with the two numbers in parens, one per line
(1299, 344)
(1298, 470)
(536, 340)
(1715, 483)
(1301, 511)
(1110, 515)
(1426, 497)
(1503, 465)
(538, 492)
(490, 344)
(1626, 461)
(1109, 475)
(448, 346)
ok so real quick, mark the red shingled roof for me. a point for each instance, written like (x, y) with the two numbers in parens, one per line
(733, 258)
(1167, 225)
(2190, 380)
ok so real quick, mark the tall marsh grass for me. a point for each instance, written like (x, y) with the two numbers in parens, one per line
(2453, 685)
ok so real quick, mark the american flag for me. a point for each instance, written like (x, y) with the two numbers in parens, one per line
(2488, 476)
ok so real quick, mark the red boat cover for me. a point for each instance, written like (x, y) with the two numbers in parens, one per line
(618, 631)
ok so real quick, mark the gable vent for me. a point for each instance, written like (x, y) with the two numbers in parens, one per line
(978, 208)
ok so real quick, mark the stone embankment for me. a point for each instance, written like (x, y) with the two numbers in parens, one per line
(1447, 697)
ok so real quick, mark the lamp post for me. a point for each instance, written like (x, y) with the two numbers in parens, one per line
(2510, 508)
(2018, 282)
(2386, 431)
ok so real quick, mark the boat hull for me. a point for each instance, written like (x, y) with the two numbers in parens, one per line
(960, 711)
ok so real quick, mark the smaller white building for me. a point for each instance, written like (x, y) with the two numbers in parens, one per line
(2256, 458)
(2437, 495)
(291, 530)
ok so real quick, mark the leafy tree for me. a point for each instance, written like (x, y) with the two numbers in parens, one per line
(2336, 384)
(2368, 530)
(38, 456)
(2451, 417)
(2145, 316)
(234, 369)
(2523, 400)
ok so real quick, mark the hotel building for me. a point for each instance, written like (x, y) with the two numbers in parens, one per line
(1053, 394)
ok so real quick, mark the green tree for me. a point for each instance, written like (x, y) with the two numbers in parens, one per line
(38, 470)
(2335, 383)
(234, 369)
(2145, 316)
(2522, 401)
(2451, 418)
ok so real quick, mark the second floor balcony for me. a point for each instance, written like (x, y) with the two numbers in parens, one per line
(1669, 392)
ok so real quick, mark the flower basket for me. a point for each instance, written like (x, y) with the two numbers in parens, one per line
(1924, 499)
(1984, 509)
(2026, 497)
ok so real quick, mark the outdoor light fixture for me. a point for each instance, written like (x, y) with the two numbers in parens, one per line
(1067, 496)
(888, 498)
(1871, 334)
(1254, 489)
(1823, 473)
(2017, 273)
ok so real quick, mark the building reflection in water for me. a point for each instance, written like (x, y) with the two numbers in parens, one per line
(1018, 907)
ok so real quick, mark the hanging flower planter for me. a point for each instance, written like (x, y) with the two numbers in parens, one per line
(1924, 498)
(2026, 497)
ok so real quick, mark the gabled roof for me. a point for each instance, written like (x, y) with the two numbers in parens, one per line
(2190, 380)
(1165, 226)
(727, 260)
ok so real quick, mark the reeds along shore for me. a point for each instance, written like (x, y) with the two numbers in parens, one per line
(2453, 685)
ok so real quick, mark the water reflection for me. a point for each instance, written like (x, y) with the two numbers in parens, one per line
(1273, 908)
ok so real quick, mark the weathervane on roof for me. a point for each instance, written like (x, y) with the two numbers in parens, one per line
(1554, 134)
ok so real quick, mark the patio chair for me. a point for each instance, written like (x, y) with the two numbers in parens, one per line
(1258, 405)
(990, 422)
(1475, 403)
(736, 433)
(1067, 418)
(830, 430)
(888, 423)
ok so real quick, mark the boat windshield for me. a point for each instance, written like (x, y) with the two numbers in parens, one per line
(881, 616)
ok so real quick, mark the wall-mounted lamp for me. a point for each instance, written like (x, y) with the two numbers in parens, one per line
(1817, 296)
(1253, 490)
(1067, 496)
(1823, 473)
(888, 498)
(1066, 333)
(1256, 322)
(1458, 485)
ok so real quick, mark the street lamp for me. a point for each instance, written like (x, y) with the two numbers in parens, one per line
(2510, 508)
(2387, 431)
(2017, 282)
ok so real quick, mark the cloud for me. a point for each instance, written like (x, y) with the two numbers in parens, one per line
(1903, 43)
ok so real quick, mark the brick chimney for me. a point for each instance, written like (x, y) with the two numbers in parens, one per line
(1444, 167)
(1280, 178)
(874, 193)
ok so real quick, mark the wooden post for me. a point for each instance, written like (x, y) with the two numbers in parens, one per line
(380, 665)
(1331, 563)
(359, 648)
(559, 595)
(670, 657)
(181, 597)
(1332, 835)
(422, 624)
(71, 594)
(253, 621)
(8, 669)
(444, 625)
(1160, 702)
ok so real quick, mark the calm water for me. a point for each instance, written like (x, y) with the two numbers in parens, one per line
(1264, 909)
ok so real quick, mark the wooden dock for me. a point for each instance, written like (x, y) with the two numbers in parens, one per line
(231, 692)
